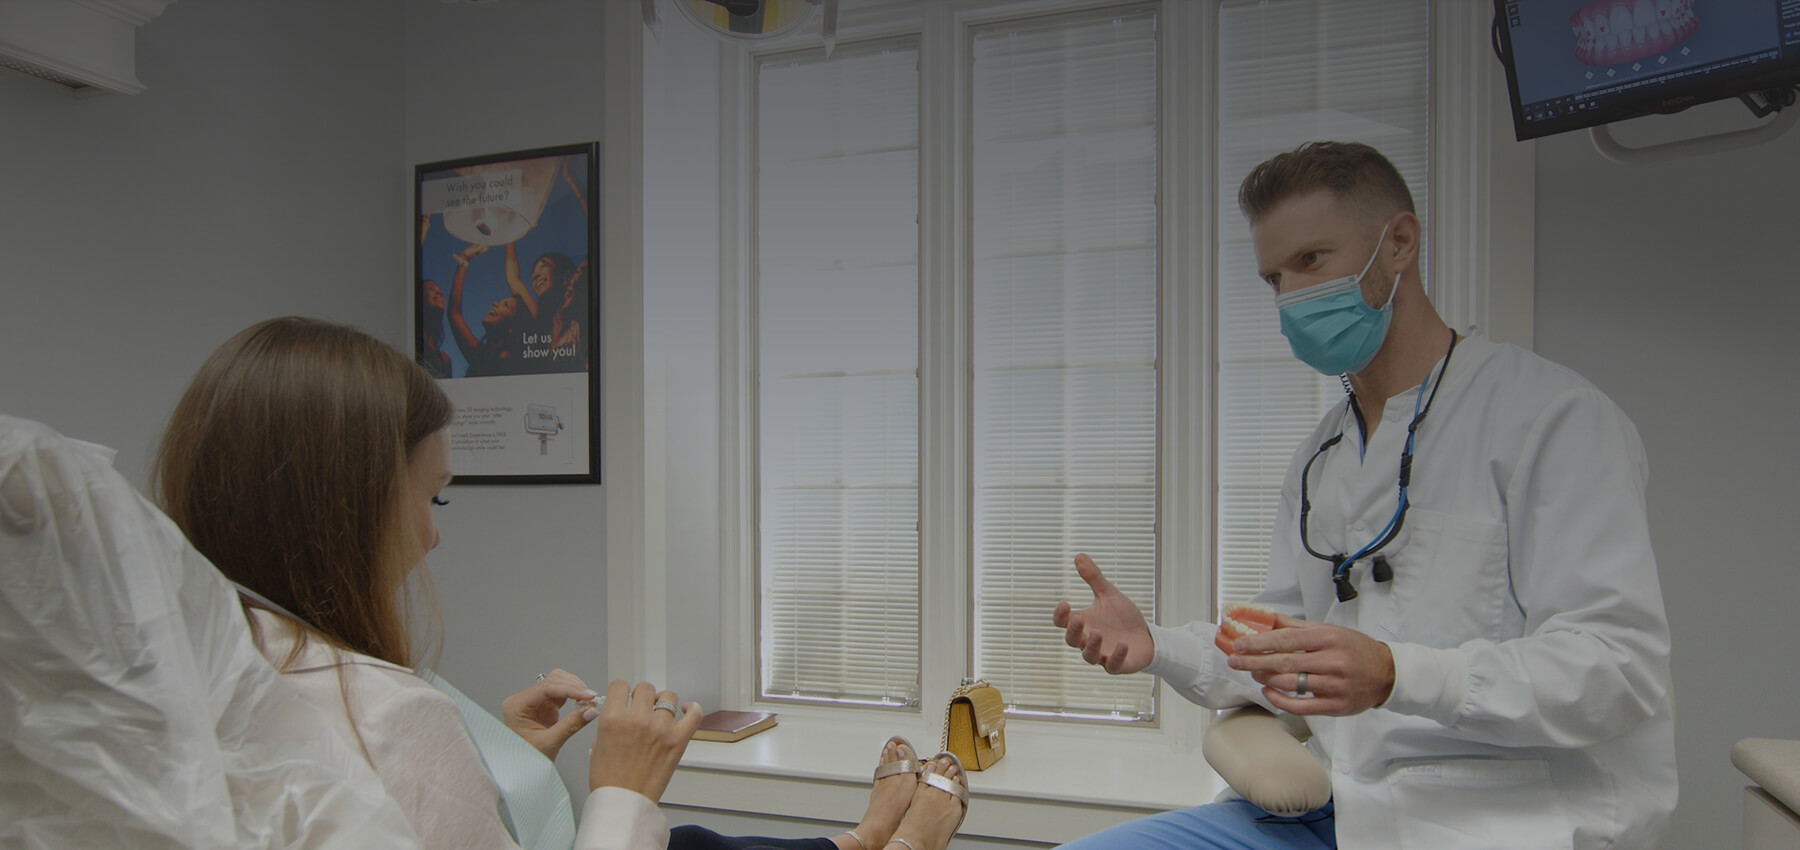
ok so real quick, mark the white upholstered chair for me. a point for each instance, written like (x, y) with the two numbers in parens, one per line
(1771, 805)
(1261, 757)
(135, 711)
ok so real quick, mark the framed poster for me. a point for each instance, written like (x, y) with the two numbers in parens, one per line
(507, 310)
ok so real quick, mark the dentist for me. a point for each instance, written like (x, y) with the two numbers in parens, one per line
(1467, 605)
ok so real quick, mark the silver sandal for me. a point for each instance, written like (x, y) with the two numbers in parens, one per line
(898, 766)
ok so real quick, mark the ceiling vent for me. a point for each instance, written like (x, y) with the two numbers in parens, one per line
(86, 47)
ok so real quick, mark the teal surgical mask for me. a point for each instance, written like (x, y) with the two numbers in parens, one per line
(1330, 327)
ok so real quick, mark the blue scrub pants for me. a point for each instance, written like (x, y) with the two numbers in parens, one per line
(1228, 825)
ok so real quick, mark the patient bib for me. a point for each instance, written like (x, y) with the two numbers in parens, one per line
(534, 802)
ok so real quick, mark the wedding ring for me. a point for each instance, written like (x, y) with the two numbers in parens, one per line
(540, 677)
(666, 706)
(1300, 689)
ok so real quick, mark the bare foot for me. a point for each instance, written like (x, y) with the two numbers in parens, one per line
(887, 800)
(936, 812)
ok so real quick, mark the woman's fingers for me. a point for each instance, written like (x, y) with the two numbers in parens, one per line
(550, 740)
(691, 715)
(683, 719)
(561, 678)
(560, 685)
(640, 744)
(618, 698)
(536, 715)
(641, 703)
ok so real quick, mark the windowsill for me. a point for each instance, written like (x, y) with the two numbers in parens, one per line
(1057, 781)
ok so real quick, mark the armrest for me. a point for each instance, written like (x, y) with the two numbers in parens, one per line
(1773, 764)
(1260, 756)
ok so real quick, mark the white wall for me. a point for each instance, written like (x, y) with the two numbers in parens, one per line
(255, 177)
(1673, 287)
(266, 171)
(682, 342)
(521, 572)
(530, 73)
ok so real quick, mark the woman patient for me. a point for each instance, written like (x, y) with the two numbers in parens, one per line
(303, 461)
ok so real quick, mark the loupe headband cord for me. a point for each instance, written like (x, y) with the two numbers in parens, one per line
(1306, 504)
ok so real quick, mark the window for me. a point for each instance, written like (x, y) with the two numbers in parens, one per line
(1290, 73)
(1063, 132)
(959, 241)
(838, 350)
(1061, 162)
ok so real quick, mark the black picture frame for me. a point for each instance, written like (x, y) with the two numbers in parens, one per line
(506, 310)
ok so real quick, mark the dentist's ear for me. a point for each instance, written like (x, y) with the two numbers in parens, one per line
(1404, 234)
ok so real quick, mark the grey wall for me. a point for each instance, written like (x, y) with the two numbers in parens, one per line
(1673, 288)
(255, 177)
(266, 170)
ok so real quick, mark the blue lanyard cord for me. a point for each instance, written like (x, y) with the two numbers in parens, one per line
(1341, 564)
(1412, 432)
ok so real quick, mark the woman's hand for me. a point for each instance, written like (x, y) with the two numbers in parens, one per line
(638, 745)
(536, 712)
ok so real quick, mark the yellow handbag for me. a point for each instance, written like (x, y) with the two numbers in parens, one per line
(975, 725)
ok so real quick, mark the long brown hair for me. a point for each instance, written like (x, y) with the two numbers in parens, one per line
(285, 464)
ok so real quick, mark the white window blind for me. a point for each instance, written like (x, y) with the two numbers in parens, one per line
(1064, 179)
(836, 270)
(1293, 71)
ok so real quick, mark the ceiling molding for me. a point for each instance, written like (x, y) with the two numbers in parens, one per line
(85, 46)
(134, 12)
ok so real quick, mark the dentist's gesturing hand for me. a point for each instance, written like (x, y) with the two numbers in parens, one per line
(1111, 632)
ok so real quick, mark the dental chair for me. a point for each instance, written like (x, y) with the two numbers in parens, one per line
(1260, 755)
(135, 710)
(1772, 805)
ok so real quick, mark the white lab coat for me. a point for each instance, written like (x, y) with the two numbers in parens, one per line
(1532, 704)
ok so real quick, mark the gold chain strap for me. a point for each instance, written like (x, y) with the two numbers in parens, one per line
(962, 690)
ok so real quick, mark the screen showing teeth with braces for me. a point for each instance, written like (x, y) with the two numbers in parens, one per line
(1572, 58)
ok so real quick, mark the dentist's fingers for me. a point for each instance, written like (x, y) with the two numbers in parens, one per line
(1090, 573)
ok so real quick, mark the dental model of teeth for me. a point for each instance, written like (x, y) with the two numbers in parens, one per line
(1242, 619)
(1610, 32)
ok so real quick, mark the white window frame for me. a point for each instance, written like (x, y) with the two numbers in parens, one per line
(1482, 262)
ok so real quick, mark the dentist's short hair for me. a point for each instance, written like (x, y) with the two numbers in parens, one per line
(1357, 174)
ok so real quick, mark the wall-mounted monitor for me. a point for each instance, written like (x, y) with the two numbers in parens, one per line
(1572, 64)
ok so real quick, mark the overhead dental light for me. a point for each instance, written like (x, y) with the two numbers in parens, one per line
(760, 19)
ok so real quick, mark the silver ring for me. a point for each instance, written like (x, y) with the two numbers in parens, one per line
(666, 706)
(1300, 689)
(540, 677)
